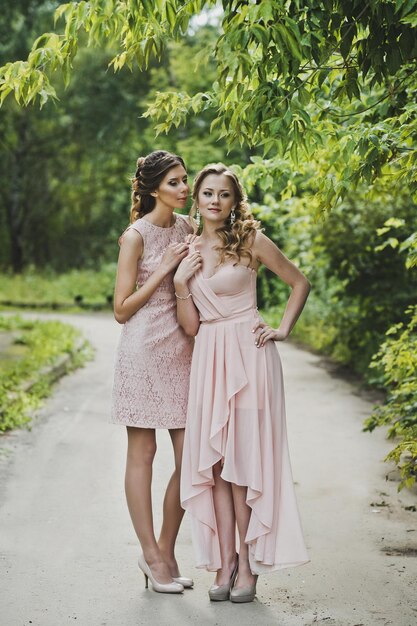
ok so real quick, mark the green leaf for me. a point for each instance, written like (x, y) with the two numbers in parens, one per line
(395, 222)
(289, 40)
(171, 15)
(347, 33)
(260, 33)
(266, 12)
(4, 92)
(59, 11)
(393, 60)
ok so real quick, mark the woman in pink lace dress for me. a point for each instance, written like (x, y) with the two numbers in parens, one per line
(154, 355)
(236, 468)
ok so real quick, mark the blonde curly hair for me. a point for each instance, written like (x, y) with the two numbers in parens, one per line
(236, 237)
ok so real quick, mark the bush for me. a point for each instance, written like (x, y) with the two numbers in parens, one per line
(48, 288)
(358, 260)
(359, 287)
(397, 358)
(23, 384)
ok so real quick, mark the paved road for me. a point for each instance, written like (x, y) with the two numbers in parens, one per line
(68, 552)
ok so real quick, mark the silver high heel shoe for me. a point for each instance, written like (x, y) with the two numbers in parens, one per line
(245, 594)
(173, 587)
(220, 593)
(187, 583)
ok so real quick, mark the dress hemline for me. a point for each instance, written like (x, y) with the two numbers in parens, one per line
(159, 427)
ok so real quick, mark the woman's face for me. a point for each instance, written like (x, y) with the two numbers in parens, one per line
(216, 198)
(173, 189)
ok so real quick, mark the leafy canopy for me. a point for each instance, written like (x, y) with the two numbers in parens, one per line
(298, 78)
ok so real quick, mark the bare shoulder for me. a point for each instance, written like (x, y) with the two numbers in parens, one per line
(261, 244)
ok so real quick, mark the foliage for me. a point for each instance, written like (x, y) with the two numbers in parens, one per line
(45, 343)
(65, 172)
(397, 357)
(315, 99)
(352, 271)
(292, 76)
(359, 260)
(194, 141)
(60, 165)
(85, 285)
(409, 245)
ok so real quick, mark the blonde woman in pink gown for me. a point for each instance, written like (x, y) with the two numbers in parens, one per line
(236, 469)
(154, 355)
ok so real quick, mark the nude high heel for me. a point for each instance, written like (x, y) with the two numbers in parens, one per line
(245, 594)
(187, 583)
(173, 587)
(220, 593)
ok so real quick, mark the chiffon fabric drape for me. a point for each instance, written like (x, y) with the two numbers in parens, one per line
(236, 415)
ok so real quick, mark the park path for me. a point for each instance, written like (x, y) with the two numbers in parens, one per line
(68, 552)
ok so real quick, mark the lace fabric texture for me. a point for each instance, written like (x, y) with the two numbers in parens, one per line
(153, 358)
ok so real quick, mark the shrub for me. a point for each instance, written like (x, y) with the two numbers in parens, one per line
(23, 382)
(397, 358)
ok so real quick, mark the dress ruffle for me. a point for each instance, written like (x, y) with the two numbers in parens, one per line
(236, 415)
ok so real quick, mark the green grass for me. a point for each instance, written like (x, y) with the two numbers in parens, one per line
(23, 379)
(85, 287)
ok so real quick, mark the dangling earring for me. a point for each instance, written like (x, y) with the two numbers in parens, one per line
(232, 216)
(197, 217)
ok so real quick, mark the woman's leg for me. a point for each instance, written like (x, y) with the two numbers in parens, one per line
(141, 450)
(173, 511)
(226, 525)
(242, 512)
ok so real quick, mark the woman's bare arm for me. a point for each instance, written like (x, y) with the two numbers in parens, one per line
(128, 300)
(187, 313)
(271, 256)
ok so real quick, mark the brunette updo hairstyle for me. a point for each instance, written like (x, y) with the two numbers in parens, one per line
(150, 171)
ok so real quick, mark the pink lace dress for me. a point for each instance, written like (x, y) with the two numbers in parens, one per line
(236, 415)
(154, 354)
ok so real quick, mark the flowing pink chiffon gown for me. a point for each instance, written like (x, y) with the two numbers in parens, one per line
(236, 415)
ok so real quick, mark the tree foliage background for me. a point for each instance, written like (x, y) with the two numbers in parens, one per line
(313, 101)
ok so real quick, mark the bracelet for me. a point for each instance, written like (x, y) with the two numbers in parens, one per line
(182, 297)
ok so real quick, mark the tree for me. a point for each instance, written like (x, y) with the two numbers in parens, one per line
(322, 91)
(25, 133)
(65, 169)
(293, 76)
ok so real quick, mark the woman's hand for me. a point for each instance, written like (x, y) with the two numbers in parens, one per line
(264, 333)
(172, 256)
(187, 268)
(191, 238)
